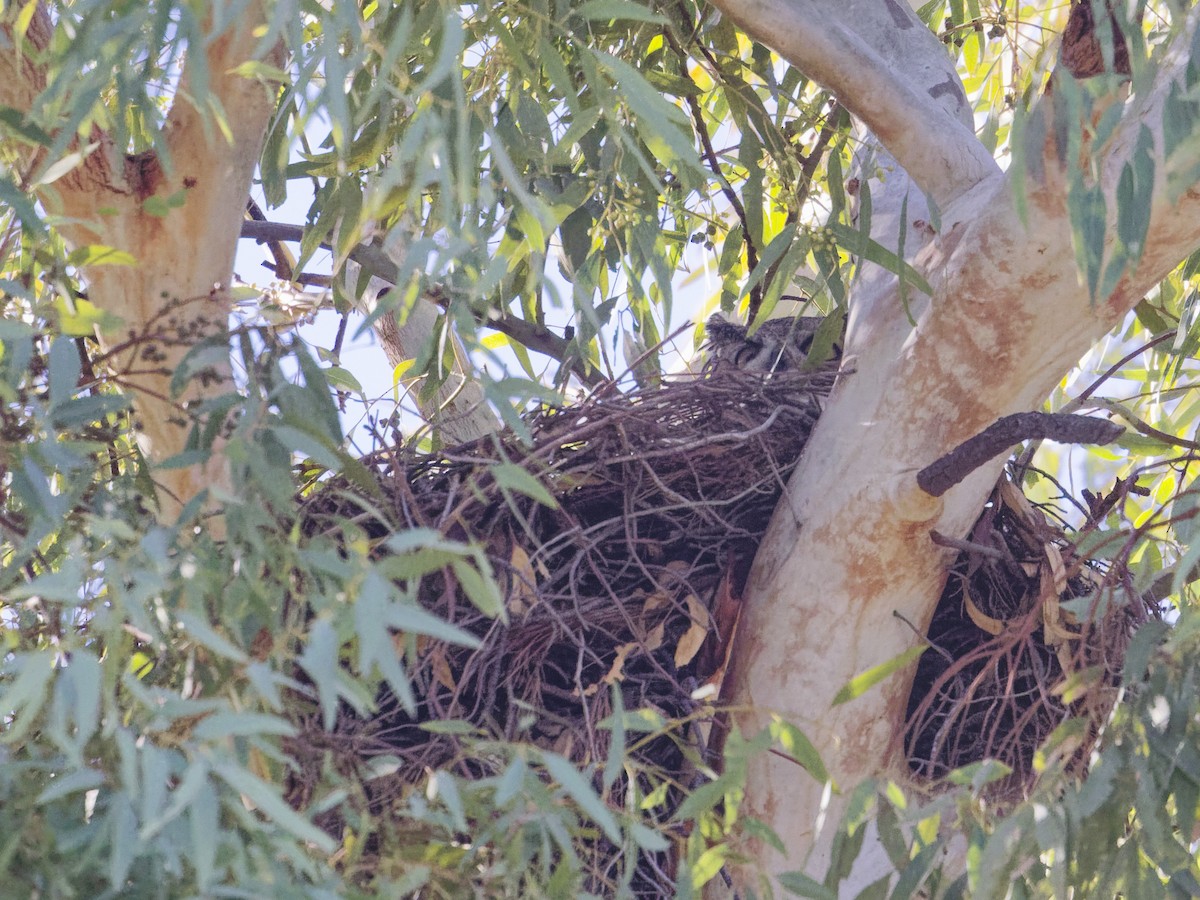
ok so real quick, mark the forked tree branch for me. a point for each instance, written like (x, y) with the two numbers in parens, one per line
(849, 546)
(847, 52)
(375, 261)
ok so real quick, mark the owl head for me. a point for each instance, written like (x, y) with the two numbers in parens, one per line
(776, 346)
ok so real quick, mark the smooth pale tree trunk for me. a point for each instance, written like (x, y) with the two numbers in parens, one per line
(177, 293)
(456, 407)
(848, 552)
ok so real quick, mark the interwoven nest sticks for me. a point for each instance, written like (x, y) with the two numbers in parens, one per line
(1027, 634)
(660, 495)
(630, 579)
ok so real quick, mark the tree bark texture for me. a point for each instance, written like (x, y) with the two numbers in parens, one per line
(177, 294)
(457, 407)
(849, 550)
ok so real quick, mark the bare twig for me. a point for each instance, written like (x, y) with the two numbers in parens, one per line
(945, 473)
(710, 156)
(532, 335)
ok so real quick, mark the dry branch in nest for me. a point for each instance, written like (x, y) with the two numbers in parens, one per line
(632, 580)
(1027, 634)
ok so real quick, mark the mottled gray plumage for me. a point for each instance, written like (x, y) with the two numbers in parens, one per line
(777, 346)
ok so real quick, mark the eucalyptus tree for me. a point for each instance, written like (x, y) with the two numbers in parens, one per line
(518, 197)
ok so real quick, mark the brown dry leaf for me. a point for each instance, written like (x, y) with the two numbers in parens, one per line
(654, 639)
(565, 744)
(1054, 555)
(980, 618)
(656, 601)
(441, 669)
(522, 594)
(1053, 630)
(726, 615)
(1066, 659)
(1015, 499)
(615, 671)
(258, 764)
(689, 645)
(263, 643)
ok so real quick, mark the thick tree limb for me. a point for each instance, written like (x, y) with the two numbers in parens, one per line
(22, 77)
(177, 294)
(849, 547)
(938, 477)
(849, 49)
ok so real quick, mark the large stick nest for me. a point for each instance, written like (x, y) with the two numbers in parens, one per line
(633, 578)
(1028, 633)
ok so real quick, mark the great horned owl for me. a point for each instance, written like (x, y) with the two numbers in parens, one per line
(777, 346)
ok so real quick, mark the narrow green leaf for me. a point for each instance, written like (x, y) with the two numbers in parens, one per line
(204, 827)
(797, 745)
(771, 255)
(194, 783)
(709, 863)
(481, 589)
(702, 799)
(417, 620)
(616, 744)
(204, 634)
(853, 240)
(99, 255)
(234, 724)
(65, 369)
(343, 378)
(516, 478)
(122, 839)
(310, 445)
(649, 839)
(565, 773)
(20, 203)
(511, 782)
(860, 684)
(320, 661)
(610, 10)
(77, 699)
(913, 875)
(452, 726)
(800, 885)
(273, 806)
(71, 783)
(662, 125)
(24, 695)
